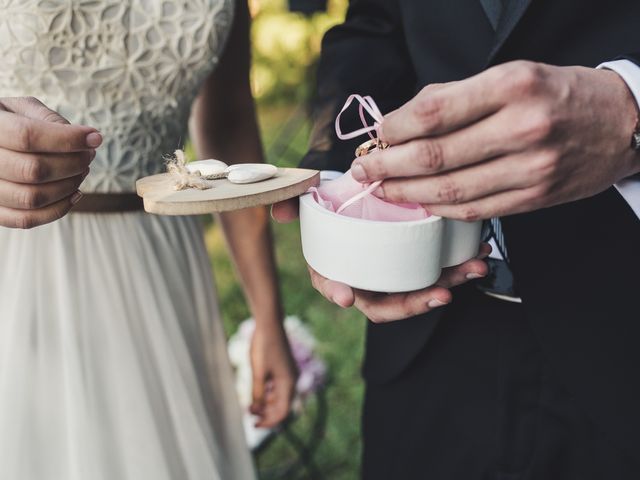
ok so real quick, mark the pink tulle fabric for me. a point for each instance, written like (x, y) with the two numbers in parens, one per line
(362, 203)
(348, 197)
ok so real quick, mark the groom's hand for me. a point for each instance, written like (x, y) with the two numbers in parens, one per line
(515, 138)
(382, 307)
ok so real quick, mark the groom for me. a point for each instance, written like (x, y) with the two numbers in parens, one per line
(515, 122)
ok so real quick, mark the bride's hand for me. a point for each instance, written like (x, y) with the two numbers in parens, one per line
(43, 161)
(274, 375)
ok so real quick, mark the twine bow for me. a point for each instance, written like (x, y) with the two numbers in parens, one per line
(177, 167)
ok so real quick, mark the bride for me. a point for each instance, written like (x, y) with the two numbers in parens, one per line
(112, 356)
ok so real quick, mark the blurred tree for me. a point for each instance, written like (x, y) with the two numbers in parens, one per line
(286, 47)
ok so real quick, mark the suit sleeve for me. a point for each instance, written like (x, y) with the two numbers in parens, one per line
(632, 57)
(365, 55)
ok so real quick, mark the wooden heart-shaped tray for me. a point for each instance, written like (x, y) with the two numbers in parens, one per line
(161, 198)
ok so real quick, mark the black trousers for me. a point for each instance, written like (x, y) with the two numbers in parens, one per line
(480, 402)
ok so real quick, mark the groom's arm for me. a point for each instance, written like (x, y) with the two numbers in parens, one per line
(365, 55)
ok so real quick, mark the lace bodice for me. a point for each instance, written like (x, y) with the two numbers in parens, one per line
(130, 68)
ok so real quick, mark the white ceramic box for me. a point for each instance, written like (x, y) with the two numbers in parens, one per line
(383, 256)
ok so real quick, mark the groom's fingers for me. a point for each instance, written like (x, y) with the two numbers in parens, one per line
(384, 308)
(285, 212)
(468, 147)
(336, 292)
(381, 307)
(435, 111)
(471, 270)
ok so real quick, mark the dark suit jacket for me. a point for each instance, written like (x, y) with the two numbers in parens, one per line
(577, 266)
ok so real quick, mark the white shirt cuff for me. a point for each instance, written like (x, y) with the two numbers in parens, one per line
(630, 73)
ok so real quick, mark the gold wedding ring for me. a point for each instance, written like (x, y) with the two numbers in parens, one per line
(369, 146)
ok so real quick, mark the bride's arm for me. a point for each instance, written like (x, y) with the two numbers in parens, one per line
(224, 126)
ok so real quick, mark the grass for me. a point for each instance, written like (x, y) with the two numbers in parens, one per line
(340, 333)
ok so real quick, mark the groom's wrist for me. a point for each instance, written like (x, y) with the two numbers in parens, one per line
(630, 73)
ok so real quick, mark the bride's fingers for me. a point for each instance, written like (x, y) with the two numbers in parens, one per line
(258, 393)
(286, 211)
(280, 406)
(31, 197)
(383, 308)
(26, 219)
(22, 134)
(42, 168)
(277, 404)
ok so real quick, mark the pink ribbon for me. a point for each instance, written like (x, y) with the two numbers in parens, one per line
(368, 105)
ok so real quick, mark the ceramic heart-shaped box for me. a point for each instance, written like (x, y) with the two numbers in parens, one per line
(383, 256)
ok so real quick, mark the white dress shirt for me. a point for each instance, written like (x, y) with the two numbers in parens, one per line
(630, 73)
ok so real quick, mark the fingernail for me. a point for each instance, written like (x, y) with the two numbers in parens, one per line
(76, 197)
(474, 276)
(435, 303)
(358, 173)
(339, 301)
(94, 140)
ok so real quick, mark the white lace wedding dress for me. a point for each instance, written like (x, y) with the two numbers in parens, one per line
(113, 363)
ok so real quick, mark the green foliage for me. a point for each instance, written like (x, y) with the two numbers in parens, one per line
(339, 332)
(286, 47)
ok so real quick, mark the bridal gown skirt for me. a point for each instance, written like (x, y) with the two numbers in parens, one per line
(113, 361)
